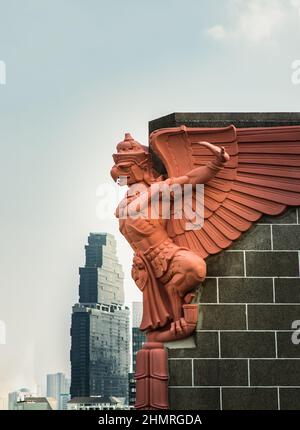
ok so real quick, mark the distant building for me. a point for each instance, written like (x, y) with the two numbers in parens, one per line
(96, 403)
(3, 403)
(138, 339)
(137, 314)
(17, 396)
(12, 400)
(57, 386)
(100, 324)
(131, 389)
(36, 404)
(64, 399)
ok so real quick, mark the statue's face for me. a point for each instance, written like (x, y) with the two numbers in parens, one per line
(126, 173)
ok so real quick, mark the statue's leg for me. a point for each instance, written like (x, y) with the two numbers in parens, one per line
(188, 270)
(175, 300)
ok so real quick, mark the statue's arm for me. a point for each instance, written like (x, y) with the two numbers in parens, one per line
(200, 175)
(203, 174)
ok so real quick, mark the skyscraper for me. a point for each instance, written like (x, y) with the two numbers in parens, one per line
(100, 324)
(57, 386)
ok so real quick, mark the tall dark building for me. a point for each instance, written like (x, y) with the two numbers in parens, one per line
(138, 339)
(100, 324)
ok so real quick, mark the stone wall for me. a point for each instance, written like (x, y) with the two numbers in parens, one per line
(244, 356)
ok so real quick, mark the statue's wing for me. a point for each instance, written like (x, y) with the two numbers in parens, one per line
(262, 177)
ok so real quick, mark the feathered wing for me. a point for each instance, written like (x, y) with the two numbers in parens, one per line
(262, 177)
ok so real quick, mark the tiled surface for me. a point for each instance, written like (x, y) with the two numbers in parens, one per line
(245, 357)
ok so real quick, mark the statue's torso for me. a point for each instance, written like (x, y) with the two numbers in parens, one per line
(142, 232)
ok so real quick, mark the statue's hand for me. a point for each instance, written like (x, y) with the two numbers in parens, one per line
(220, 153)
(160, 185)
(223, 155)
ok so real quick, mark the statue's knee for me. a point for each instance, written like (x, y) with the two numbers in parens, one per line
(198, 269)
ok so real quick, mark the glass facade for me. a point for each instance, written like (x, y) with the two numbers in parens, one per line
(100, 324)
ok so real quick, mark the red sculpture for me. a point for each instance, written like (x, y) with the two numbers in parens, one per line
(246, 172)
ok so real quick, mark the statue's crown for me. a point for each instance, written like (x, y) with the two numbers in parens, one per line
(131, 150)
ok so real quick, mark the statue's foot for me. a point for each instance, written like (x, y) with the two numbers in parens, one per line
(180, 329)
(188, 298)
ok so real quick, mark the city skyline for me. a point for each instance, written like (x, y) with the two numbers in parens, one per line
(106, 289)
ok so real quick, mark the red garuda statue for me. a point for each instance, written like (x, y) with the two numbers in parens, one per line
(246, 173)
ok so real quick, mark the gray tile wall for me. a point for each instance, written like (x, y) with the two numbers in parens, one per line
(245, 357)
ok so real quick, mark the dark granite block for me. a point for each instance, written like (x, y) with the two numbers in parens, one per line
(245, 290)
(224, 119)
(288, 217)
(286, 348)
(289, 399)
(187, 399)
(223, 317)
(180, 372)
(248, 345)
(220, 372)
(206, 346)
(287, 290)
(209, 291)
(275, 372)
(249, 399)
(226, 264)
(272, 317)
(286, 237)
(272, 263)
(258, 237)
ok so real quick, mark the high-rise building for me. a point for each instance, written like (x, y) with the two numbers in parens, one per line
(58, 385)
(101, 280)
(138, 339)
(100, 324)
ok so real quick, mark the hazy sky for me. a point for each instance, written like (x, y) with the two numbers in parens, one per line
(79, 74)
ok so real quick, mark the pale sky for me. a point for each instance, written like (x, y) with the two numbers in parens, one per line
(80, 73)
